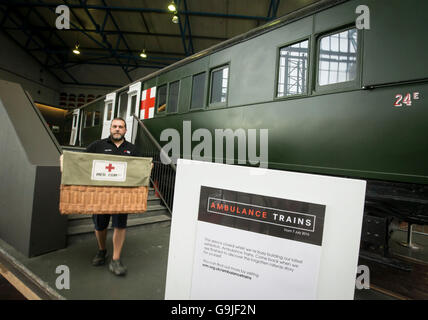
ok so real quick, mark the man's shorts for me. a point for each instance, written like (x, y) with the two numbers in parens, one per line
(101, 221)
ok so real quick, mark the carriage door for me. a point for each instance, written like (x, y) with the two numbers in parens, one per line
(74, 127)
(108, 114)
(134, 93)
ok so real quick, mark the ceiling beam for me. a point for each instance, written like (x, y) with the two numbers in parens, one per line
(125, 32)
(106, 42)
(72, 64)
(185, 31)
(124, 54)
(136, 9)
(273, 9)
(13, 39)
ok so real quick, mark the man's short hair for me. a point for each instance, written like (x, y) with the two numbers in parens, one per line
(119, 118)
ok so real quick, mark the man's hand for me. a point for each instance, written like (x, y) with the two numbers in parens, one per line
(60, 162)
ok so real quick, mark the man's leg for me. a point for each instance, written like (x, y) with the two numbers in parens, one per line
(101, 222)
(101, 238)
(118, 240)
(119, 224)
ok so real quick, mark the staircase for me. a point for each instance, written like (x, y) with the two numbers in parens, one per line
(82, 223)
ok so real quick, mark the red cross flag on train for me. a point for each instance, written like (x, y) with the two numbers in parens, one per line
(148, 103)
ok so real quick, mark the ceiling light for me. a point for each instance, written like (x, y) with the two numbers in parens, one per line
(76, 49)
(143, 54)
(175, 19)
(171, 7)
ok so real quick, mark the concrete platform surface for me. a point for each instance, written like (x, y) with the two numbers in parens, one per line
(145, 254)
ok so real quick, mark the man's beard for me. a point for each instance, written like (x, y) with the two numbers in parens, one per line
(116, 134)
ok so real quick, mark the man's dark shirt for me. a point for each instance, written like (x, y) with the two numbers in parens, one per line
(107, 146)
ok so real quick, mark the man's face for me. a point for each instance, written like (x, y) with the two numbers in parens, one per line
(117, 130)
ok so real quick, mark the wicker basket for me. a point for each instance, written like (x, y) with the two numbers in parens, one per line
(102, 200)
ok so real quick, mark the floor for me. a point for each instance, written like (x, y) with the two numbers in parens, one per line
(403, 284)
(145, 255)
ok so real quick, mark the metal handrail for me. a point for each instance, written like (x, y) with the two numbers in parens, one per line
(165, 156)
(157, 145)
(161, 196)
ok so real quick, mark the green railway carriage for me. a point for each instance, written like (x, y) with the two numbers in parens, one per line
(336, 99)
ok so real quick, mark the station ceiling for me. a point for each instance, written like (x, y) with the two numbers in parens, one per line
(115, 32)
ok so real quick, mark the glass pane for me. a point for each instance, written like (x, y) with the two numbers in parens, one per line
(123, 105)
(162, 98)
(173, 96)
(219, 80)
(338, 58)
(97, 116)
(88, 119)
(198, 88)
(293, 64)
(134, 104)
(109, 111)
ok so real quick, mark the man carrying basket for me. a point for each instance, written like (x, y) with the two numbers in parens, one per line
(115, 144)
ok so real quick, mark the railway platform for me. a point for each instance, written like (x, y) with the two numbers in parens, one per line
(145, 254)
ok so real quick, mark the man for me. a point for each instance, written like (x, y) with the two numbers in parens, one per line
(117, 145)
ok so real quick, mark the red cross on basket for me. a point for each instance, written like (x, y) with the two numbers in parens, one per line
(109, 167)
(148, 103)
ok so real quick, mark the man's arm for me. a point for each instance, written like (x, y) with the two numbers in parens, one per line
(92, 148)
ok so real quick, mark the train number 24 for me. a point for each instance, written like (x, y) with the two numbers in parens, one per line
(407, 100)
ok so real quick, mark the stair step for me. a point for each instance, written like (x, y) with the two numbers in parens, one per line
(89, 228)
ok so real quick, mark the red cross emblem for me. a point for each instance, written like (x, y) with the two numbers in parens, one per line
(148, 103)
(109, 167)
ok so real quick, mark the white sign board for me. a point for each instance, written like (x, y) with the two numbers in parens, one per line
(245, 233)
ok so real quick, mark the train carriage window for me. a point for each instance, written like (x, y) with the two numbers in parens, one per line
(338, 57)
(109, 111)
(123, 105)
(88, 119)
(219, 82)
(173, 96)
(161, 99)
(97, 116)
(293, 67)
(198, 89)
(134, 107)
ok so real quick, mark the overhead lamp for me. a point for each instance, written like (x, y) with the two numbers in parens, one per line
(143, 54)
(171, 7)
(175, 18)
(76, 48)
